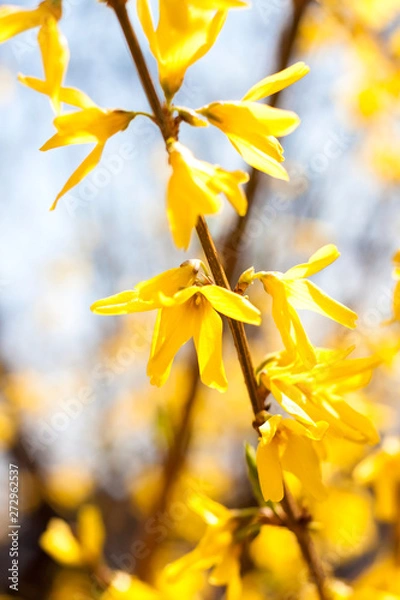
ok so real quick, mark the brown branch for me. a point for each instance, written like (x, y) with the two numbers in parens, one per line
(299, 526)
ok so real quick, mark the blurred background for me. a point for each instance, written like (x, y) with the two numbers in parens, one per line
(76, 410)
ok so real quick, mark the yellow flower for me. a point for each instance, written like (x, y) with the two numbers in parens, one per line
(15, 20)
(186, 31)
(124, 587)
(381, 581)
(286, 445)
(188, 304)
(252, 127)
(217, 548)
(396, 294)
(53, 45)
(61, 544)
(91, 124)
(381, 470)
(194, 190)
(291, 291)
(316, 394)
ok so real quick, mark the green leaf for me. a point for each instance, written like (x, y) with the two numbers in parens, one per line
(252, 473)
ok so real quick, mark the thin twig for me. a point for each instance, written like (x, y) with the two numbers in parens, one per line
(300, 529)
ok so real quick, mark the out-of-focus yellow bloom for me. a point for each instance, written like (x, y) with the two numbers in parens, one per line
(61, 544)
(346, 528)
(276, 552)
(91, 124)
(68, 486)
(195, 188)
(291, 291)
(396, 293)
(380, 582)
(69, 584)
(316, 394)
(217, 548)
(286, 445)
(8, 426)
(188, 304)
(53, 45)
(373, 13)
(381, 470)
(384, 153)
(124, 587)
(185, 32)
(338, 590)
(252, 127)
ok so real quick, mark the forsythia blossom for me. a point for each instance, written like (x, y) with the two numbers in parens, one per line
(292, 290)
(53, 45)
(86, 549)
(194, 189)
(381, 470)
(91, 124)
(216, 549)
(188, 304)
(286, 445)
(253, 127)
(316, 394)
(186, 31)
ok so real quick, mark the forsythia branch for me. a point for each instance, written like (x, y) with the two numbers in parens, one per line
(166, 124)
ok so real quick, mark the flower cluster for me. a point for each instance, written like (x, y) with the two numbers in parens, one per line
(308, 387)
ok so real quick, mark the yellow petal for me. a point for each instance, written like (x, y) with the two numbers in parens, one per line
(59, 542)
(247, 119)
(269, 428)
(303, 344)
(190, 116)
(184, 34)
(277, 82)
(324, 257)
(188, 195)
(69, 95)
(231, 305)
(357, 421)
(122, 304)
(146, 20)
(293, 408)
(227, 572)
(55, 57)
(270, 471)
(150, 294)
(14, 20)
(300, 458)
(228, 183)
(208, 341)
(91, 533)
(258, 159)
(87, 126)
(280, 310)
(169, 282)
(218, 4)
(175, 326)
(125, 587)
(80, 173)
(212, 513)
(194, 189)
(304, 294)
